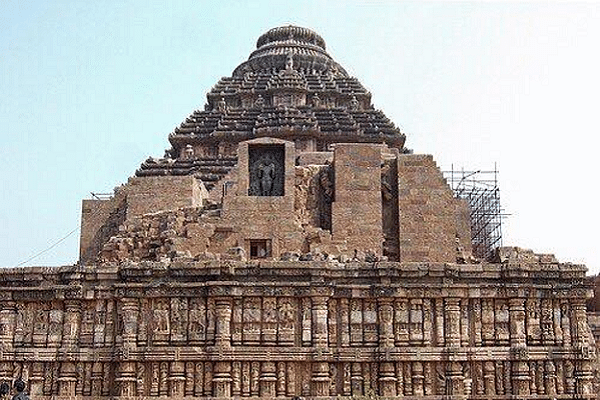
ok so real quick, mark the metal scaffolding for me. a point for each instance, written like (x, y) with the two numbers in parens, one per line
(480, 190)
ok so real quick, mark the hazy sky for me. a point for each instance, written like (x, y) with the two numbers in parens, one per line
(90, 89)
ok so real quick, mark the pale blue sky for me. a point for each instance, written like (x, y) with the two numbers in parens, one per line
(89, 89)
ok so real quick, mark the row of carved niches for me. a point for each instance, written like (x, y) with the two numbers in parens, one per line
(280, 378)
(292, 321)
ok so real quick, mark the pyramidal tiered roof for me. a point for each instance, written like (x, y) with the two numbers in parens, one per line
(289, 88)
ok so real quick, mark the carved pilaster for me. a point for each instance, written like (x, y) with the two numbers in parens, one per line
(582, 339)
(418, 379)
(332, 325)
(533, 322)
(245, 379)
(129, 315)
(517, 322)
(269, 321)
(163, 380)
(464, 323)
(223, 323)
(178, 319)
(550, 378)
(268, 379)
(357, 379)
(290, 379)
(439, 322)
(565, 323)
(254, 379)
(199, 380)
(140, 379)
(222, 380)
(416, 322)
(427, 322)
(489, 378)
(99, 323)
(501, 322)
(455, 385)
(556, 321)
(236, 378)
(287, 317)
(71, 322)
(547, 322)
(399, 379)
(387, 380)
(476, 312)
(281, 374)
(36, 379)
(386, 323)
(126, 379)
(306, 322)
(487, 322)
(369, 322)
(67, 380)
(8, 319)
(236, 321)
(344, 323)
(319, 315)
(144, 318)
(452, 313)
(356, 322)
(320, 379)
(96, 379)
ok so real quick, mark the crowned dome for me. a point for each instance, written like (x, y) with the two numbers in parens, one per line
(275, 46)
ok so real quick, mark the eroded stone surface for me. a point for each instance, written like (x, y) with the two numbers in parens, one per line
(289, 245)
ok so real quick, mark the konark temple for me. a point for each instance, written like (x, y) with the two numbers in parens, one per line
(289, 245)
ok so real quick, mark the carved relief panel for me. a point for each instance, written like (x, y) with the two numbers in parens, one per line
(266, 170)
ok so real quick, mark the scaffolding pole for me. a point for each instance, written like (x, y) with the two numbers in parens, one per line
(480, 191)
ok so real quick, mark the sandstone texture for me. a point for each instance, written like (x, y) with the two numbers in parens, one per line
(288, 245)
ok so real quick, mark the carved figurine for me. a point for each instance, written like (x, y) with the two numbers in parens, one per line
(266, 175)
(20, 388)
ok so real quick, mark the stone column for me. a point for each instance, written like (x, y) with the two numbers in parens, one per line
(67, 380)
(455, 385)
(177, 379)
(320, 379)
(583, 368)
(386, 323)
(439, 322)
(520, 378)
(126, 379)
(268, 380)
(319, 317)
(517, 322)
(489, 378)
(387, 380)
(71, 322)
(8, 318)
(452, 311)
(356, 380)
(223, 323)
(344, 323)
(129, 315)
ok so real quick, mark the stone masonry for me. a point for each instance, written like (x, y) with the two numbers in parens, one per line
(289, 245)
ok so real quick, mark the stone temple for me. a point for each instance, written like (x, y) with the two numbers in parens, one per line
(289, 245)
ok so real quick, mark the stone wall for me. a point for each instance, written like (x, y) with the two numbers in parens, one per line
(102, 219)
(356, 211)
(214, 329)
(432, 222)
(361, 201)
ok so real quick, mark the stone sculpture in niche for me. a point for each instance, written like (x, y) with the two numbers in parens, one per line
(266, 170)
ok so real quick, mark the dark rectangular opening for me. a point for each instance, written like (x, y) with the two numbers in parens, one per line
(260, 248)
